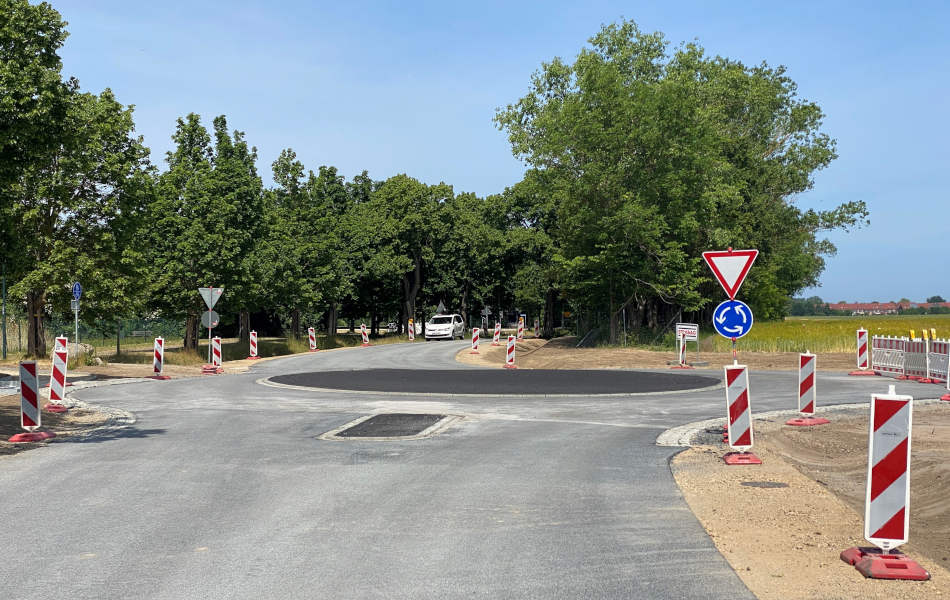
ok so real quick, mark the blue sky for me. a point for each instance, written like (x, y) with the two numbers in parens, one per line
(411, 87)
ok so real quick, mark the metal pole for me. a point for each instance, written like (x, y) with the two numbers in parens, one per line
(209, 336)
(4, 311)
(735, 360)
(76, 337)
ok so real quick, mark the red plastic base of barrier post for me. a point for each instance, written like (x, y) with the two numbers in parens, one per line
(36, 436)
(496, 344)
(807, 421)
(741, 458)
(365, 345)
(253, 358)
(55, 408)
(925, 380)
(474, 352)
(874, 564)
(859, 373)
(945, 397)
(316, 350)
(510, 367)
(902, 378)
(211, 370)
(160, 377)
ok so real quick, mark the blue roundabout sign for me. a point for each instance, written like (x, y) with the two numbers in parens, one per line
(732, 319)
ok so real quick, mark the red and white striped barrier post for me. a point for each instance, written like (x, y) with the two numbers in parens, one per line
(683, 349)
(312, 335)
(253, 346)
(216, 352)
(365, 335)
(510, 357)
(29, 405)
(739, 425)
(475, 331)
(887, 500)
(863, 354)
(412, 330)
(158, 360)
(57, 383)
(537, 329)
(61, 343)
(497, 336)
(520, 328)
(807, 393)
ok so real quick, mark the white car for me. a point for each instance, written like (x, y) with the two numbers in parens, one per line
(445, 327)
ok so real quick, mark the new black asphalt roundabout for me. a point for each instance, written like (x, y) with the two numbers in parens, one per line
(590, 382)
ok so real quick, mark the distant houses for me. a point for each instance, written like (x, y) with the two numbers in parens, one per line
(889, 308)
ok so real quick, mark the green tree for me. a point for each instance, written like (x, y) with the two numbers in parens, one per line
(935, 299)
(77, 216)
(206, 223)
(656, 157)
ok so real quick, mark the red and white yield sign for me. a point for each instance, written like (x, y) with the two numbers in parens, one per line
(730, 267)
(887, 504)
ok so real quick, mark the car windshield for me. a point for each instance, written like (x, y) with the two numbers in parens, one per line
(440, 321)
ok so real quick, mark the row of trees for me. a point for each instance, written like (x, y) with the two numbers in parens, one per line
(638, 161)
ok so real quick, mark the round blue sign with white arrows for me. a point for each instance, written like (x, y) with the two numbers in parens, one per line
(732, 319)
(77, 290)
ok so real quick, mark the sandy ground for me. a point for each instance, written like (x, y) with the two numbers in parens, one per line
(63, 424)
(560, 353)
(785, 542)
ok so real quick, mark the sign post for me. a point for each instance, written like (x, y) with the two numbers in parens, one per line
(211, 295)
(730, 268)
(77, 292)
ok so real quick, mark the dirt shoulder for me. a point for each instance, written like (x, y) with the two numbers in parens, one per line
(560, 353)
(785, 542)
(63, 424)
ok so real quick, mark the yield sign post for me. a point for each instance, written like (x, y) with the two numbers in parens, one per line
(210, 295)
(730, 267)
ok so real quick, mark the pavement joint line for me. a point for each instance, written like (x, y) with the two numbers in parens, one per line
(682, 435)
(267, 382)
(433, 430)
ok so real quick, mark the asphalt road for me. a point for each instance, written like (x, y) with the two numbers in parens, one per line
(221, 490)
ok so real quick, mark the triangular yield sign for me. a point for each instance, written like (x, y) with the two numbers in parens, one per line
(730, 267)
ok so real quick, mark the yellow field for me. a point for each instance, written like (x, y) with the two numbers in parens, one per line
(825, 334)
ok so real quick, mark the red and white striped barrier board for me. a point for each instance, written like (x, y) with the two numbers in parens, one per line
(739, 425)
(158, 357)
(537, 329)
(862, 349)
(29, 396)
(520, 328)
(887, 355)
(510, 357)
(807, 393)
(474, 341)
(60, 343)
(886, 511)
(365, 335)
(253, 344)
(412, 330)
(887, 499)
(216, 352)
(939, 360)
(497, 336)
(313, 339)
(915, 359)
(57, 378)
(682, 349)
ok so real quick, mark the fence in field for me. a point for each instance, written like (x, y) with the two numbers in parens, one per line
(907, 358)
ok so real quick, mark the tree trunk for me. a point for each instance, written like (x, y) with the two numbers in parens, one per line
(410, 288)
(614, 321)
(464, 307)
(295, 323)
(331, 322)
(35, 331)
(547, 330)
(373, 324)
(244, 326)
(191, 333)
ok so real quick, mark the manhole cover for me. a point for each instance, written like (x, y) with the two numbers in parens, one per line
(765, 484)
(391, 425)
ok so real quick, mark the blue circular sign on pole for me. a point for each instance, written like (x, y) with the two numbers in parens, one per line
(732, 319)
(77, 290)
